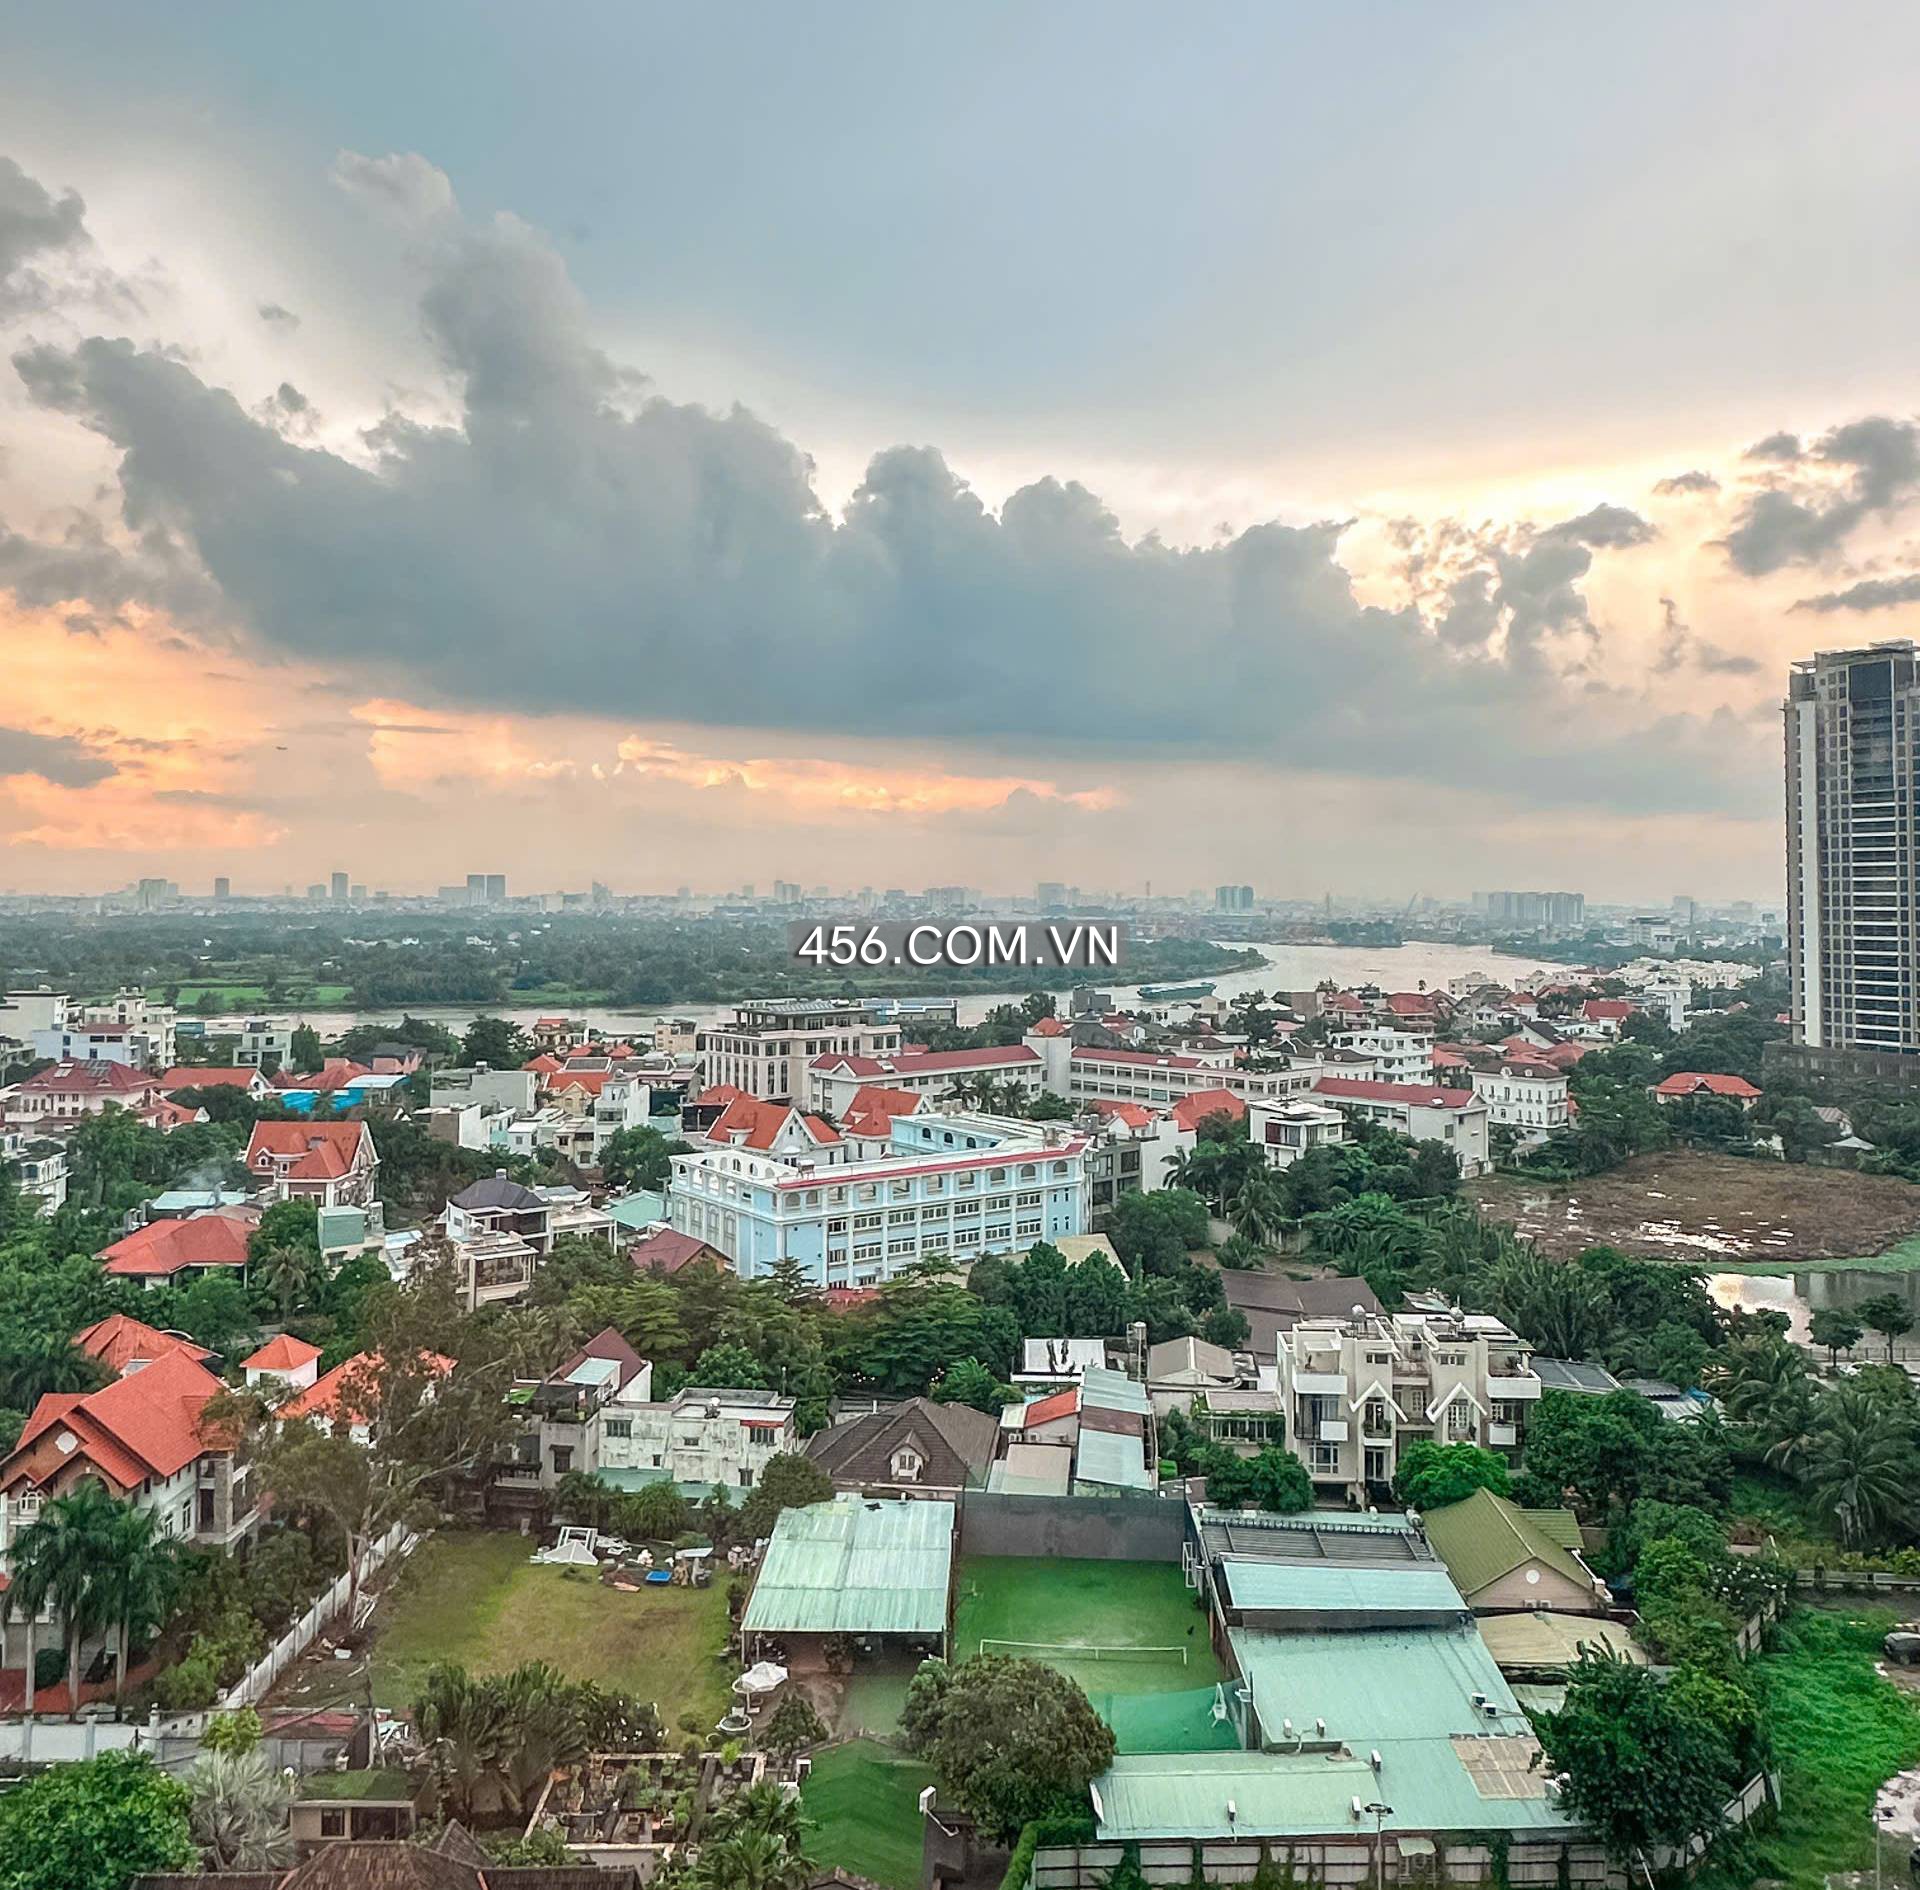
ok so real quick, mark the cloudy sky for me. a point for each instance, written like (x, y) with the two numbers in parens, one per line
(1379, 449)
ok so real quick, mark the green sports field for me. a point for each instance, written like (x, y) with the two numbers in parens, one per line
(1154, 1702)
(862, 1800)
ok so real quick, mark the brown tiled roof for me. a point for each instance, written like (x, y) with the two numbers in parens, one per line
(955, 1440)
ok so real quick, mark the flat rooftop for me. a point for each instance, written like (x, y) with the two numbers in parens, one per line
(1325, 1536)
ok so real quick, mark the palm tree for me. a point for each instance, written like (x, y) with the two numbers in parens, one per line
(66, 1547)
(1755, 1374)
(465, 1739)
(750, 1860)
(38, 1362)
(1860, 1464)
(25, 1595)
(135, 1582)
(1259, 1210)
(293, 1274)
(239, 1811)
(1790, 1424)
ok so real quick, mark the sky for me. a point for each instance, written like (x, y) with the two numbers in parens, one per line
(1373, 450)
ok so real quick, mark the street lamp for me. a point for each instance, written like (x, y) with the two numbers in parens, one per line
(1380, 1814)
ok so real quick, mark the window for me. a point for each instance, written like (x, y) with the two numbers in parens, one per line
(333, 1823)
(619, 1427)
(906, 1465)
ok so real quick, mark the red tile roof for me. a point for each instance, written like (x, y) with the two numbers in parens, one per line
(146, 1424)
(1606, 1010)
(718, 1096)
(1190, 1111)
(931, 1062)
(1707, 1082)
(1149, 1059)
(283, 1353)
(101, 1077)
(119, 1340)
(162, 1248)
(324, 1151)
(669, 1250)
(747, 1122)
(1422, 1095)
(1045, 1410)
(207, 1076)
(873, 1108)
(542, 1065)
(1048, 1027)
(1134, 1115)
(349, 1389)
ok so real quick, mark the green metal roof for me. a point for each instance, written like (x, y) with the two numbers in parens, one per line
(1486, 1537)
(1376, 1686)
(1423, 1588)
(1309, 1794)
(1112, 1459)
(635, 1211)
(855, 1566)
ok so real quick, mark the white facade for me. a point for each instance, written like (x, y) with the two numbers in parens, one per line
(1285, 1131)
(1529, 1097)
(766, 1049)
(954, 1185)
(41, 1165)
(264, 1042)
(1397, 1056)
(1353, 1392)
(1457, 1119)
(126, 1028)
(1159, 1079)
(704, 1435)
(512, 1090)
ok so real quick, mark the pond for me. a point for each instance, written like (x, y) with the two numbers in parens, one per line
(1801, 1291)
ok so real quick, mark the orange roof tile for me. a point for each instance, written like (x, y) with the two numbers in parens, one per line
(215, 1239)
(283, 1353)
(119, 1340)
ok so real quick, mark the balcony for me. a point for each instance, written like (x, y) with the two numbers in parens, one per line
(1332, 1430)
(1320, 1384)
(1524, 1385)
(1503, 1434)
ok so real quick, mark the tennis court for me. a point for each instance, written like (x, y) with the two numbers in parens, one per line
(1128, 1632)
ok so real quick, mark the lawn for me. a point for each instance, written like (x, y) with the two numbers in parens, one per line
(476, 1599)
(1840, 1732)
(863, 1800)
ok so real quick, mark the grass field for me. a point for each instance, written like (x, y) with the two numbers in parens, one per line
(1840, 1731)
(863, 1800)
(233, 997)
(1087, 1604)
(475, 1598)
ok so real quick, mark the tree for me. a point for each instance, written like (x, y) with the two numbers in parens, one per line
(292, 1276)
(1887, 1314)
(1836, 1329)
(1432, 1475)
(285, 1224)
(304, 1052)
(33, 1362)
(62, 1553)
(967, 1381)
(1644, 1768)
(753, 1842)
(794, 1726)
(640, 1157)
(729, 1367)
(134, 1583)
(788, 1481)
(95, 1825)
(1009, 1740)
(239, 1811)
(1155, 1233)
(1860, 1469)
(496, 1042)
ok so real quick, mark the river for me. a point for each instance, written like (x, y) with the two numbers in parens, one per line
(1289, 968)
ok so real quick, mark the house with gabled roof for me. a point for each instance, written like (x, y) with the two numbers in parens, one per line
(332, 1164)
(918, 1448)
(125, 1345)
(178, 1252)
(1505, 1559)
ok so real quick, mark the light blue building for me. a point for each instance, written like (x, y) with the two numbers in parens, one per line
(960, 1185)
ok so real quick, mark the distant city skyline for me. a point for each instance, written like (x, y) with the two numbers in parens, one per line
(851, 449)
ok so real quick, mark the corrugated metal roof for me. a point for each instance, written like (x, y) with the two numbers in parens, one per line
(1486, 1537)
(1107, 1390)
(1544, 1639)
(1306, 1794)
(1377, 1684)
(855, 1566)
(1282, 1587)
(1111, 1458)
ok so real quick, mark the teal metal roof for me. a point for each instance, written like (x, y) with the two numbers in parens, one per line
(1106, 1390)
(1310, 1794)
(1112, 1459)
(855, 1566)
(1286, 1587)
(1377, 1686)
(635, 1211)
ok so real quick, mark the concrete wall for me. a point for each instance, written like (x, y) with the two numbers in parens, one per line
(1099, 1528)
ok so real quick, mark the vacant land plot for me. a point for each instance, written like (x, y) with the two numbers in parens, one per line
(1713, 1209)
(475, 1598)
(863, 1801)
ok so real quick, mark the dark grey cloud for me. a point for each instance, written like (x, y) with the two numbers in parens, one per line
(1868, 594)
(576, 543)
(60, 759)
(34, 224)
(277, 317)
(1806, 521)
(1695, 481)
